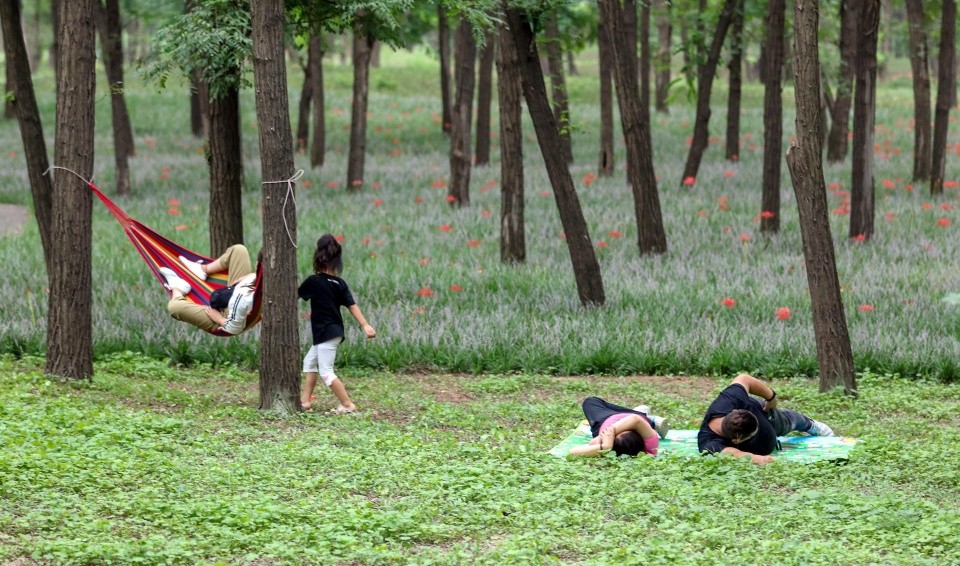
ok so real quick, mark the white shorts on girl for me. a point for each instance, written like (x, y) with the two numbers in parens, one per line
(320, 359)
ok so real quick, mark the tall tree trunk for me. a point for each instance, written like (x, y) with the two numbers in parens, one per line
(586, 268)
(607, 153)
(513, 244)
(375, 54)
(689, 52)
(458, 188)
(946, 93)
(362, 46)
(635, 122)
(484, 97)
(664, 55)
(705, 76)
(736, 69)
(572, 64)
(834, 354)
(108, 24)
(226, 173)
(558, 83)
(864, 116)
(644, 37)
(55, 43)
(318, 148)
(280, 336)
(443, 42)
(8, 110)
(69, 317)
(31, 130)
(921, 91)
(303, 108)
(773, 117)
(35, 48)
(840, 120)
(196, 111)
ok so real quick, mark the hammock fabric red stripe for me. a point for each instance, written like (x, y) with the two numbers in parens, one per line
(158, 251)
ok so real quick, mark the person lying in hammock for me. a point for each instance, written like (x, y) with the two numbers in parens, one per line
(229, 306)
(623, 430)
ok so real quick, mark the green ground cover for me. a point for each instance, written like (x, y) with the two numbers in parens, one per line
(155, 465)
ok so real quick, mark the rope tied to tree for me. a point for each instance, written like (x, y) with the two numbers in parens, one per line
(290, 195)
(52, 167)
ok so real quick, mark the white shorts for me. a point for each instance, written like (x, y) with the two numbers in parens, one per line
(320, 359)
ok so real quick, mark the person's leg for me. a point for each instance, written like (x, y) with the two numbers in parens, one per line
(785, 421)
(346, 405)
(310, 378)
(597, 410)
(326, 355)
(236, 261)
(183, 310)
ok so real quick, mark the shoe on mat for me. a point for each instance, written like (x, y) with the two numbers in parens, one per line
(819, 429)
(194, 268)
(174, 281)
(660, 425)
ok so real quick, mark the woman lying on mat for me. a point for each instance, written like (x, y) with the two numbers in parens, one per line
(229, 306)
(623, 430)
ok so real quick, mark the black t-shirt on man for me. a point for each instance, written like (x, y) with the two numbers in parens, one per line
(734, 397)
(326, 293)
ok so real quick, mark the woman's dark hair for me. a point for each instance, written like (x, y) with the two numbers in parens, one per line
(739, 424)
(629, 443)
(327, 257)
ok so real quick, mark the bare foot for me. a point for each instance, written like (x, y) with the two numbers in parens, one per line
(342, 410)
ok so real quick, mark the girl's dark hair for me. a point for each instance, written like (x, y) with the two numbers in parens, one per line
(629, 443)
(328, 255)
(739, 424)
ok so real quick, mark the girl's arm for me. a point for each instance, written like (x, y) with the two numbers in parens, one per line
(593, 448)
(634, 423)
(367, 329)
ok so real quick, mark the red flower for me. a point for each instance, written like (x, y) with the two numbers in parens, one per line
(544, 193)
(859, 238)
(451, 199)
(339, 238)
(377, 201)
(946, 206)
(473, 243)
(589, 178)
(889, 184)
(889, 216)
(173, 202)
(601, 244)
(456, 288)
(866, 308)
(615, 234)
(834, 186)
(366, 240)
(767, 214)
(943, 222)
(306, 184)
(173, 211)
(728, 302)
(356, 182)
(445, 227)
(331, 184)
(180, 227)
(689, 181)
(744, 238)
(425, 292)
(375, 185)
(439, 184)
(424, 261)
(783, 313)
(485, 214)
(926, 206)
(418, 200)
(728, 173)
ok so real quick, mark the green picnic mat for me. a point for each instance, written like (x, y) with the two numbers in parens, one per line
(952, 298)
(684, 443)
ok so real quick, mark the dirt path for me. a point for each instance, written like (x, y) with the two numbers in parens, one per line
(13, 217)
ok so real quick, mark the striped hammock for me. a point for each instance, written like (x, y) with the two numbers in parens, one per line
(157, 251)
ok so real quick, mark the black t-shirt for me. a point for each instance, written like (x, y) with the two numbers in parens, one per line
(326, 293)
(732, 398)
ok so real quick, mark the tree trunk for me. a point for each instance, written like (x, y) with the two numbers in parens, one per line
(303, 109)
(664, 54)
(69, 317)
(318, 148)
(31, 130)
(35, 49)
(8, 110)
(834, 354)
(736, 68)
(864, 116)
(644, 37)
(705, 76)
(586, 268)
(849, 24)
(375, 54)
(773, 117)
(108, 24)
(572, 64)
(607, 153)
(362, 47)
(484, 96)
(635, 123)
(946, 88)
(279, 335)
(558, 83)
(55, 44)
(443, 42)
(689, 52)
(458, 188)
(513, 245)
(226, 173)
(196, 111)
(921, 91)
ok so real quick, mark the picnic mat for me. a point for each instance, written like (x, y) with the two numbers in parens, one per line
(684, 443)
(952, 298)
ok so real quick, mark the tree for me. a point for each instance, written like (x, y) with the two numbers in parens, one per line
(834, 354)
(318, 148)
(772, 117)
(279, 337)
(443, 41)
(513, 245)
(663, 56)
(736, 69)
(558, 83)
(635, 123)
(644, 38)
(921, 91)
(108, 24)
(69, 317)
(458, 188)
(362, 47)
(849, 25)
(862, 190)
(484, 98)
(303, 107)
(946, 92)
(586, 269)
(705, 74)
(607, 153)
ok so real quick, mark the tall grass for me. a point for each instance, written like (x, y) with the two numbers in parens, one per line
(663, 314)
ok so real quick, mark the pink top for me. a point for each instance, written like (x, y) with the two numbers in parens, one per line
(613, 419)
(650, 445)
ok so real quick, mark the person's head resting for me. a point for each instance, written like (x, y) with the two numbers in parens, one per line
(327, 258)
(739, 426)
(628, 443)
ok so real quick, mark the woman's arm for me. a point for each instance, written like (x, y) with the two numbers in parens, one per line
(367, 329)
(634, 423)
(593, 448)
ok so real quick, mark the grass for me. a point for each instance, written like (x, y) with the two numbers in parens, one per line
(157, 465)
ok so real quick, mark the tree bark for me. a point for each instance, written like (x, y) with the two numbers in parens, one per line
(664, 55)
(921, 91)
(864, 116)
(69, 317)
(607, 153)
(303, 109)
(484, 98)
(31, 129)
(635, 123)
(8, 110)
(362, 46)
(773, 117)
(849, 24)
(689, 52)
(226, 173)
(705, 76)
(946, 93)
(35, 48)
(279, 335)
(109, 26)
(736, 77)
(443, 42)
(834, 354)
(586, 268)
(461, 152)
(318, 149)
(513, 244)
(55, 44)
(644, 38)
(558, 83)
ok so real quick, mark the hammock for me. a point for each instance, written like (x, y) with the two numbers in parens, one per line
(157, 251)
